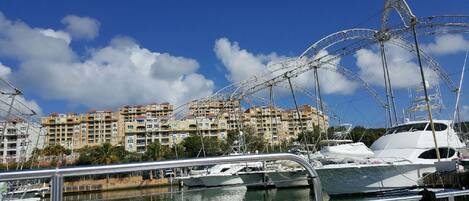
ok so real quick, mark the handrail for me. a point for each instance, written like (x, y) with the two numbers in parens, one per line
(58, 174)
(438, 195)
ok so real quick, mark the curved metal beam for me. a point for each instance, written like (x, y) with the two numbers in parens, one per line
(401, 7)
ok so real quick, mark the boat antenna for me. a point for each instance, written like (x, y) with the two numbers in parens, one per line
(458, 92)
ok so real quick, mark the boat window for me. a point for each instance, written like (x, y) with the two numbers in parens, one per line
(224, 169)
(418, 127)
(438, 127)
(407, 128)
(444, 153)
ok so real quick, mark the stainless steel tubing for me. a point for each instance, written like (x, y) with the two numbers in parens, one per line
(58, 174)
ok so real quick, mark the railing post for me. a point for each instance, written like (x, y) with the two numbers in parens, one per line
(56, 187)
(317, 188)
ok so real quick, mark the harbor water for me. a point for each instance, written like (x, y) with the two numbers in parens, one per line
(234, 193)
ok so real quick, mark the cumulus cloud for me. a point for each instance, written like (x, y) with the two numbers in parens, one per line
(402, 68)
(242, 64)
(81, 27)
(21, 105)
(447, 44)
(120, 73)
(56, 34)
(5, 71)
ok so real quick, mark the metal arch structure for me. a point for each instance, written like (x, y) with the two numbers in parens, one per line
(401, 7)
(365, 38)
(349, 41)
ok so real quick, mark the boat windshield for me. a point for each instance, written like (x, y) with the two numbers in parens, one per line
(407, 128)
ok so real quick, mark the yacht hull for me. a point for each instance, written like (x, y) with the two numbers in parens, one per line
(256, 180)
(192, 182)
(221, 180)
(353, 179)
(289, 179)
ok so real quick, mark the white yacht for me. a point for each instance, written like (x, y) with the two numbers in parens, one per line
(342, 147)
(219, 175)
(402, 156)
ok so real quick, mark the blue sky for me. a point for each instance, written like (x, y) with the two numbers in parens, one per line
(198, 42)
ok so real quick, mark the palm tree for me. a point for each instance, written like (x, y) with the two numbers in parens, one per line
(155, 151)
(106, 154)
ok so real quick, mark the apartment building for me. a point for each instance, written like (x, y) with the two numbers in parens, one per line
(63, 129)
(143, 131)
(74, 131)
(228, 110)
(154, 110)
(266, 121)
(310, 118)
(19, 139)
(135, 127)
(98, 127)
(145, 124)
(277, 125)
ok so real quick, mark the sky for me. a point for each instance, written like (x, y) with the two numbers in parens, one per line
(76, 56)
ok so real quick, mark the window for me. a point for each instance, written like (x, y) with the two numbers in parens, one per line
(407, 128)
(444, 153)
(438, 127)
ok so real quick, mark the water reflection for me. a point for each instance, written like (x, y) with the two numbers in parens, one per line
(237, 193)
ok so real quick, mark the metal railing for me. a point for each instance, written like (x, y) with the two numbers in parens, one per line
(57, 175)
(439, 195)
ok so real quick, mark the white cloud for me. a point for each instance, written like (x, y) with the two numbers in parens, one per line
(21, 105)
(56, 34)
(81, 27)
(242, 64)
(120, 73)
(404, 72)
(5, 71)
(19, 41)
(447, 44)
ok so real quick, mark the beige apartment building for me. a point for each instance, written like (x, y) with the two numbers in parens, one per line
(143, 131)
(98, 127)
(63, 129)
(74, 131)
(277, 125)
(266, 121)
(135, 127)
(228, 110)
(310, 118)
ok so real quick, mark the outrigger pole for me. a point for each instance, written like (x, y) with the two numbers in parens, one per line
(299, 119)
(458, 91)
(422, 74)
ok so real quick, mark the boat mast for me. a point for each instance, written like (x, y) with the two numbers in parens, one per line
(458, 92)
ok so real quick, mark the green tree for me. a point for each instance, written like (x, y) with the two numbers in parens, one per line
(103, 154)
(155, 151)
(366, 135)
(312, 136)
(193, 146)
(54, 150)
